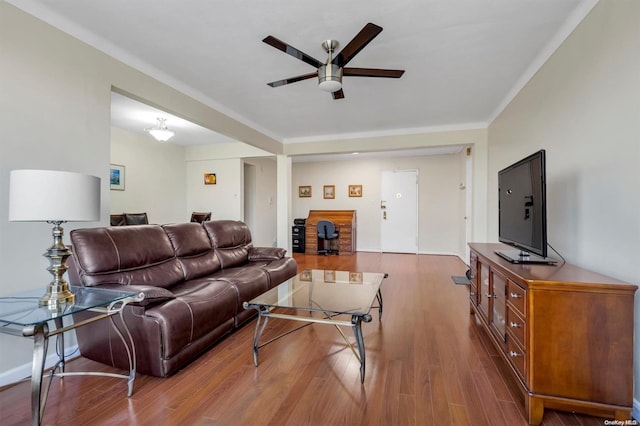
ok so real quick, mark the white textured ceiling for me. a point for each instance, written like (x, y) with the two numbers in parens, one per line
(464, 59)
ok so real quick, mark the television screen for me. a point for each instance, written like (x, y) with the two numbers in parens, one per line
(522, 210)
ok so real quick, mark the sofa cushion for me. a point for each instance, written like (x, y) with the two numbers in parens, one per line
(129, 255)
(193, 249)
(199, 307)
(249, 282)
(231, 240)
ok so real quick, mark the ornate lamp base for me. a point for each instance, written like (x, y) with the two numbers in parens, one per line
(56, 296)
(58, 293)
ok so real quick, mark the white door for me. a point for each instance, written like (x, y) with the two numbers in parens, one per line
(399, 211)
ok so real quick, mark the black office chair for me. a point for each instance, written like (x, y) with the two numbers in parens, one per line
(200, 216)
(117, 220)
(136, 219)
(327, 232)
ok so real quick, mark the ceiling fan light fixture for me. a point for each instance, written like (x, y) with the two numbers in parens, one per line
(160, 132)
(330, 78)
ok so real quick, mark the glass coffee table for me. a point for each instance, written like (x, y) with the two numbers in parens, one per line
(323, 297)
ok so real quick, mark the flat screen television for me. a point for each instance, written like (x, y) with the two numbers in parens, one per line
(522, 210)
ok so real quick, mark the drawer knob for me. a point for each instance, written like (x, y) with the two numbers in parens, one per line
(514, 325)
(513, 354)
(488, 296)
(515, 296)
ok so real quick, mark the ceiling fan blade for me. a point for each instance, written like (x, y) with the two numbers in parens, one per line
(289, 50)
(372, 72)
(338, 94)
(292, 79)
(366, 34)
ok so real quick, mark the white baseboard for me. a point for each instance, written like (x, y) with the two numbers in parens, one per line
(23, 372)
(635, 413)
(437, 253)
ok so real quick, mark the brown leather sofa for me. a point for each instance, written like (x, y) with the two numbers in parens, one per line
(194, 277)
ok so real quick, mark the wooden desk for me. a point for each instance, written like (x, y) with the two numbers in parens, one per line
(345, 221)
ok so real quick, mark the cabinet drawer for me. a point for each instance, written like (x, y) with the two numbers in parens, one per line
(516, 326)
(516, 295)
(516, 357)
(345, 232)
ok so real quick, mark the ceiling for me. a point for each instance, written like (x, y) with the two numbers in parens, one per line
(464, 59)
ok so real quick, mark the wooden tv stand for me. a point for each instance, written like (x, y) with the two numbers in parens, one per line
(566, 333)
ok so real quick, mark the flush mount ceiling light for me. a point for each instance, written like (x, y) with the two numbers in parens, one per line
(160, 132)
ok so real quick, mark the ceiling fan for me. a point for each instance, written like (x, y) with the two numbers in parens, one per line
(330, 73)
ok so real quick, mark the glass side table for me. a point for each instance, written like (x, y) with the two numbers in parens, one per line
(20, 315)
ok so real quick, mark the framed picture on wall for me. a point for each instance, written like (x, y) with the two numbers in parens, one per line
(210, 179)
(116, 177)
(304, 191)
(355, 190)
(329, 276)
(355, 277)
(329, 191)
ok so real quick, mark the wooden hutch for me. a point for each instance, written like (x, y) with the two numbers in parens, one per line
(345, 222)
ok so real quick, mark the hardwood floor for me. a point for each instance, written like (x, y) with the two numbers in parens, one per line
(427, 363)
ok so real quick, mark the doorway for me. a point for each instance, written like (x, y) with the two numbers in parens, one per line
(399, 211)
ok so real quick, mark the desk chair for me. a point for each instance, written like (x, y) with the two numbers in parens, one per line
(327, 232)
(200, 216)
(136, 219)
(117, 220)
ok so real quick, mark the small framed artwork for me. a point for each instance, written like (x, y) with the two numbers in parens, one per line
(116, 177)
(355, 190)
(355, 277)
(329, 191)
(304, 191)
(210, 179)
(329, 276)
(305, 275)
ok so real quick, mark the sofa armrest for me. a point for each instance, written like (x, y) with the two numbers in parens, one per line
(266, 253)
(151, 294)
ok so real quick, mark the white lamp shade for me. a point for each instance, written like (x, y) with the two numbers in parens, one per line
(162, 135)
(49, 195)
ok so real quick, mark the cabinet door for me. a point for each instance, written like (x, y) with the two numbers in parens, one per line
(484, 292)
(499, 306)
(473, 268)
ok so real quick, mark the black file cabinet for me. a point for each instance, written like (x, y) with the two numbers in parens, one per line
(297, 238)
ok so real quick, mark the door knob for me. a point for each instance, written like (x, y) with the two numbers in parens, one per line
(384, 215)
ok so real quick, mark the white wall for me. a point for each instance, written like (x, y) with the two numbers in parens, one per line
(264, 200)
(54, 114)
(155, 178)
(224, 199)
(440, 210)
(583, 107)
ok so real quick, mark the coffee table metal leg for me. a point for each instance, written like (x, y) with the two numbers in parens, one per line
(356, 322)
(379, 298)
(261, 323)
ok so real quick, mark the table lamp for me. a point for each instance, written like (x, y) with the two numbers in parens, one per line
(54, 197)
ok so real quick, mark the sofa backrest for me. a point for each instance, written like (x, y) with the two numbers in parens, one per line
(231, 240)
(193, 249)
(128, 255)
